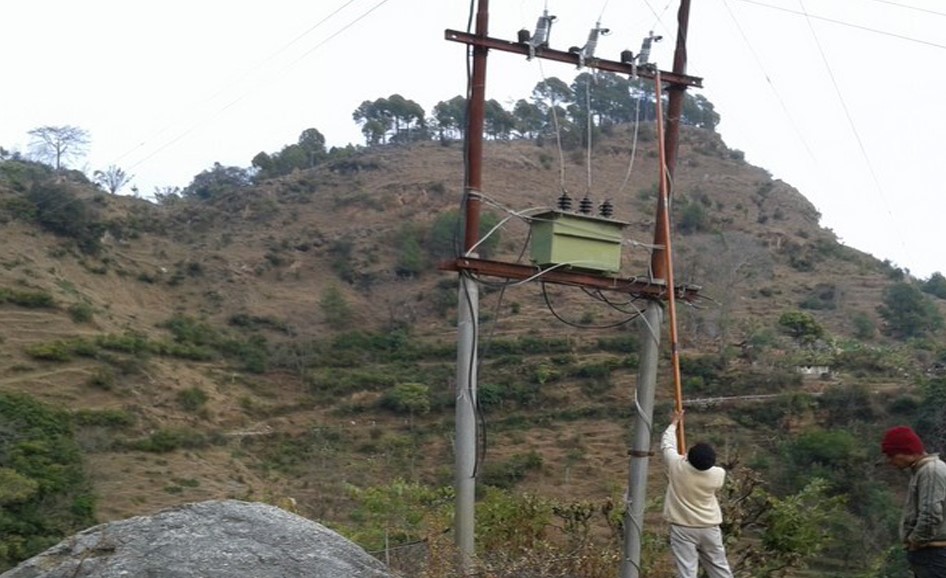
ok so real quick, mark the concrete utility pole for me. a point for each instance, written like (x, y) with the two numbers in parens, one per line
(468, 310)
(469, 264)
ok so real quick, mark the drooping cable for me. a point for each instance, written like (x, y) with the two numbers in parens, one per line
(588, 128)
(636, 131)
(551, 308)
(556, 126)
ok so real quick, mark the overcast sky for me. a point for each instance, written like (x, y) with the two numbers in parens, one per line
(840, 99)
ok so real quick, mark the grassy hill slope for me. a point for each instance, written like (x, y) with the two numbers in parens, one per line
(259, 344)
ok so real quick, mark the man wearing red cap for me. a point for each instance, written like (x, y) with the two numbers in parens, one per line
(923, 522)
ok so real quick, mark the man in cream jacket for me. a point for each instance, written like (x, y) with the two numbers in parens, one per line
(692, 508)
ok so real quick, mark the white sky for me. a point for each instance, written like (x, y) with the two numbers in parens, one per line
(843, 104)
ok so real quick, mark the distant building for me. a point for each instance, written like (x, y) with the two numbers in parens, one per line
(815, 371)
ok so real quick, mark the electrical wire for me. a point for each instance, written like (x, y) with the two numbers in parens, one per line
(857, 137)
(200, 122)
(771, 85)
(588, 128)
(847, 24)
(630, 162)
(558, 132)
(551, 308)
(908, 7)
(245, 74)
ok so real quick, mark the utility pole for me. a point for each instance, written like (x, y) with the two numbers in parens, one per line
(468, 264)
(465, 466)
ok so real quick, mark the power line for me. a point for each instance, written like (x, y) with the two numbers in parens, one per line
(200, 122)
(847, 24)
(768, 81)
(852, 125)
(908, 7)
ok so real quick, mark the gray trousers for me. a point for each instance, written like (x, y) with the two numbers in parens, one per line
(694, 547)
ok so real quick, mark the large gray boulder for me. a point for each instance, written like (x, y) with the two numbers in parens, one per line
(216, 539)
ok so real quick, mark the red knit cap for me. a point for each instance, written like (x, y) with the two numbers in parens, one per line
(901, 440)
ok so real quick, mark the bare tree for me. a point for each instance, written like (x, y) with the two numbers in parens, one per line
(112, 179)
(58, 143)
(727, 265)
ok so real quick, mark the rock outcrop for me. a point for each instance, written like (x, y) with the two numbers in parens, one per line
(215, 539)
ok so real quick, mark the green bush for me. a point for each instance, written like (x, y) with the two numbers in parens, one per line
(411, 259)
(192, 398)
(908, 312)
(54, 351)
(445, 237)
(129, 342)
(44, 494)
(407, 398)
(335, 308)
(28, 299)
(801, 326)
(102, 378)
(625, 344)
(60, 211)
(507, 474)
(847, 404)
(189, 330)
(115, 418)
(168, 440)
(529, 345)
(81, 312)
(21, 174)
(692, 218)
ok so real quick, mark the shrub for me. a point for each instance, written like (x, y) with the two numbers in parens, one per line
(507, 474)
(801, 326)
(692, 219)
(409, 398)
(337, 312)
(28, 299)
(935, 285)
(192, 398)
(168, 440)
(445, 237)
(908, 312)
(864, 327)
(44, 495)
(102, 378)
(81, 312)
(54, 351)
(115, 418)
(411, 260)
(60, 211)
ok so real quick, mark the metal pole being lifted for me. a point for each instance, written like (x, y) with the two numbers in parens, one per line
(465, 466)
(652, 320)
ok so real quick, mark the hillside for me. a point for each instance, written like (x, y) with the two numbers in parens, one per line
(252, 345)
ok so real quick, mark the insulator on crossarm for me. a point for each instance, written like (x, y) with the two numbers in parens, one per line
(587, 52)
(606, 209)
(565, 202)
(540, 39)
(644, 56)
(585, 205)
(543, 30)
